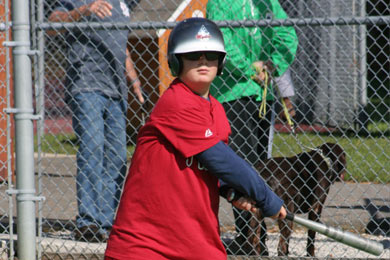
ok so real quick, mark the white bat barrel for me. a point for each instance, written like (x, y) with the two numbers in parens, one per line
(345, 237)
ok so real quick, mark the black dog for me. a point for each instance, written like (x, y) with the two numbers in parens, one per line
(303, 182)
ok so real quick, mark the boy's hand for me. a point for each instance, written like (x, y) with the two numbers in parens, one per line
(281, 214)
(245, 203)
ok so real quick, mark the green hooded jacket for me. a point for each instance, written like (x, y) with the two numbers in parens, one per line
(244, 46)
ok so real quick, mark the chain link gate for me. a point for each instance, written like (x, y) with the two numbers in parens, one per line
(342, 82)
(7, 204)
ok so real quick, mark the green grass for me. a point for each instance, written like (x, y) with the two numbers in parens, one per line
(58, 144)
(368, 158)
(368, 155)
(378, 109)
(65, 144)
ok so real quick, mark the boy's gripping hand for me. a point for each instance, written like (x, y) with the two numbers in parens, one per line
(240, 201)
(281, 214)
(246, 203)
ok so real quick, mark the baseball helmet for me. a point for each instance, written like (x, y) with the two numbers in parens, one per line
(192, 35)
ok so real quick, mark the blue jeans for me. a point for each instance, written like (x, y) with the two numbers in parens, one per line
(100, 125)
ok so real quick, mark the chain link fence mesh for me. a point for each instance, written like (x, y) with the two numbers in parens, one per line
(342, 95)
(6, 144)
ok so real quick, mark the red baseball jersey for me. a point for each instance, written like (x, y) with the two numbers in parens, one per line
(169, 205)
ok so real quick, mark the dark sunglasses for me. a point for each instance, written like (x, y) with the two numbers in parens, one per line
(210, 55)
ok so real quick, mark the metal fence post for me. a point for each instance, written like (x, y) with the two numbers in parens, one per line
(24, 138)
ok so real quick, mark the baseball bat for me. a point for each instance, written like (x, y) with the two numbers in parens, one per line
(345, 237)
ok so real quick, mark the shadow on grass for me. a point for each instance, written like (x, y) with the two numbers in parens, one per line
(379, 223)
(74, 141)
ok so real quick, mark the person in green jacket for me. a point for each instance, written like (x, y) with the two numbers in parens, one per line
(243, 85)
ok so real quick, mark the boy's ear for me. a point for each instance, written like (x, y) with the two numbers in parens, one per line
(175, 64)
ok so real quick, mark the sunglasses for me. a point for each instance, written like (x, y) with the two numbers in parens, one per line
(210, 55)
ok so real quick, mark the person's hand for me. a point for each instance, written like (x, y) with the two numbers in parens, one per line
(245, 203)
(290, 109)
(138, 91)
(281, 214)
(101, 8)
(262, 68)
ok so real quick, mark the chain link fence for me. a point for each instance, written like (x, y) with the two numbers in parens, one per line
(341, 76)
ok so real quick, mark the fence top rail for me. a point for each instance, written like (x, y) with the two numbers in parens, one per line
(154, 25)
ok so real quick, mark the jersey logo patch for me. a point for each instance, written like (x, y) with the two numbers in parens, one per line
(208, 133)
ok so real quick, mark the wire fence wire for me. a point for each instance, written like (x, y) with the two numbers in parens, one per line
(341, 76)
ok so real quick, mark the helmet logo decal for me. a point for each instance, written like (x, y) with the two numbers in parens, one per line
(203, 34)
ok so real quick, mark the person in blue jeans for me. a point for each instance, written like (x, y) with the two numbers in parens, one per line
(97, 78)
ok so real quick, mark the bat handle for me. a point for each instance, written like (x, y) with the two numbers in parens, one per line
(290, 216)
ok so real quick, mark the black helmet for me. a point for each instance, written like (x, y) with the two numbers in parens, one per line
(191, 35)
